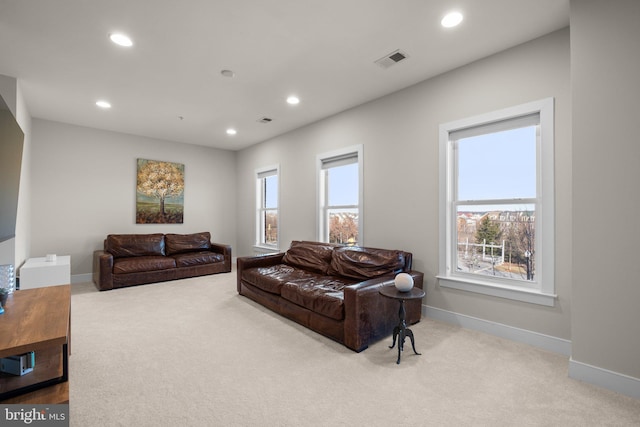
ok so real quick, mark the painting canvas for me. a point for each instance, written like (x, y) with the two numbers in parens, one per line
(159, 192)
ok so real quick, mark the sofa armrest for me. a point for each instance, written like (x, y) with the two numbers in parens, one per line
(225, 250)
(260, 261)
(103, 270)
(387, 279)
(243, 263)
(369, 315)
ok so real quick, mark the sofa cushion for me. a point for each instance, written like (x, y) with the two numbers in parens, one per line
(271, 279)
(142, 264)
(190, 259)
(320, 294)
(365, 263)
(127, 245)
(180, 243)
(309, 256)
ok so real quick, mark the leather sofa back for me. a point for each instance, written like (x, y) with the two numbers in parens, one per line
(354, 262)
(365, 263)
(179, 243)
(127, 245)
(312, 256)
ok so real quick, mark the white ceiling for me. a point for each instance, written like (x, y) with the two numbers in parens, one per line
(321, 50)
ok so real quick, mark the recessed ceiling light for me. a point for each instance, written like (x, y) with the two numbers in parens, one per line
(227, 73)
(103, 104)
(451, 19)
(231, 131)
(293, 100)
(121, 39)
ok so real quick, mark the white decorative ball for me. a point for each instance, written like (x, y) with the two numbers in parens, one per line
(403, 282)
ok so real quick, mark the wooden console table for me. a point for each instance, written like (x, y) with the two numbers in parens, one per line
(37, 320)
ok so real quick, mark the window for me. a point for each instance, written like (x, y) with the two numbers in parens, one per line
(496, 203)
(340, 196)
(267, 207)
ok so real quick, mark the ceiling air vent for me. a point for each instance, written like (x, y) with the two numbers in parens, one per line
(391, 59)
(265, 120)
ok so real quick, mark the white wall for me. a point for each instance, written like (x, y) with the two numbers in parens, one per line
(83, 188)
(606, 154)
(400, 137)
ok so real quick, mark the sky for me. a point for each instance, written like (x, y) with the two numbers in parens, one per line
(498, 166)
(343, 185)
(272, 192)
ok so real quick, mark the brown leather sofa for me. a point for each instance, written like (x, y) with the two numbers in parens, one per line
(135, 259)
(333, 290)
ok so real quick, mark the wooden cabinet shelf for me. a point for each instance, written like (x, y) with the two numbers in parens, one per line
(55, 394)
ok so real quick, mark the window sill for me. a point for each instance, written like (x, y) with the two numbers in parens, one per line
(266, 249)
(509, 292)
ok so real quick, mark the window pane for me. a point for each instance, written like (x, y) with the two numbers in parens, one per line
(499, 165)
(343, 226)
(271, 192)
(343, 185)
(270, 227)
(496, 240)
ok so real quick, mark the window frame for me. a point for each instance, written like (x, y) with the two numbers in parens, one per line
(322, 229)
(260, 179)
(543, 291)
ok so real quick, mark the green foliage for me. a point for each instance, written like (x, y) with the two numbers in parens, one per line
(488, 231)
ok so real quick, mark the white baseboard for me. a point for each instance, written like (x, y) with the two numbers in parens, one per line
(545, 342)
(615, 381)
(82, 278)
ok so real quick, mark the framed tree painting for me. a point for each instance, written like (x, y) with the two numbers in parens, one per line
(159, 192)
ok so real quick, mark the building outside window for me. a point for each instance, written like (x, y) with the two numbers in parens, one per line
(497, 210)
(340, 196)
(267, 218)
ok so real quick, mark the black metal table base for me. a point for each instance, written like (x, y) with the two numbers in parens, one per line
(401, 332)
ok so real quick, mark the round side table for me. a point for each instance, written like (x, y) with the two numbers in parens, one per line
(401, 331)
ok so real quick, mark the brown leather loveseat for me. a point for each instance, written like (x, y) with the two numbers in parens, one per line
(331, 289)
(135, 259)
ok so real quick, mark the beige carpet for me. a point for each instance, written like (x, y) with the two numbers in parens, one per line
(195, 353)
